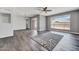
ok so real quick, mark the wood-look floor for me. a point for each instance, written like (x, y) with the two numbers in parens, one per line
(70, 42)
(21, 41)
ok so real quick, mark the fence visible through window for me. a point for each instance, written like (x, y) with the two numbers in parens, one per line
(61, 22)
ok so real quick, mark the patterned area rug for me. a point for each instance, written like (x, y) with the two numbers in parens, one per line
(48, 40)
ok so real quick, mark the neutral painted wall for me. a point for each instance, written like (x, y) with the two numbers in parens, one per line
(74, 27)
(42, 23)
(47, 23)
(18, 22)
(5, 28)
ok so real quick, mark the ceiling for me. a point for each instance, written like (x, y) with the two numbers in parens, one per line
(31, 11)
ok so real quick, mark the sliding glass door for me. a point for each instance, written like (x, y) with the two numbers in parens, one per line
(60, 22)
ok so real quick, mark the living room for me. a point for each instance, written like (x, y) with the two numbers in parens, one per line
(39, 28)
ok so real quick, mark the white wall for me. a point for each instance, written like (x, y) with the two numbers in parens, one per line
(5, 28)
(18, 22)
(42, 23)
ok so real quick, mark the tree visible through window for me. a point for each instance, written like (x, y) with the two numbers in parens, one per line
(61, 22)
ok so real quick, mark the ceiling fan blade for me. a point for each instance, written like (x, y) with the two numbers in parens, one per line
(48, 10)
(44, 9)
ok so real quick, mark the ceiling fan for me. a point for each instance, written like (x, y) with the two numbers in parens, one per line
(45, 9)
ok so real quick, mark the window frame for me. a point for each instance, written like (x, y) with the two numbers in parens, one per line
(60, 15)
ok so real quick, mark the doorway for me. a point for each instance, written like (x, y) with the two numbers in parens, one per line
(34, 23)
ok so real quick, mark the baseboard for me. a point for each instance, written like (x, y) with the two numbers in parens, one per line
(74, 33)
(20, 30)
(13, 34)
(7, 37)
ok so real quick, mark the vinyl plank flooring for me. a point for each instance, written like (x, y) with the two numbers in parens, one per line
(21, 41)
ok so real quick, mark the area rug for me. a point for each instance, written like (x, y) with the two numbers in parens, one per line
(48, 40)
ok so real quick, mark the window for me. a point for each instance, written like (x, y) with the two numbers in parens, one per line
(61, 22)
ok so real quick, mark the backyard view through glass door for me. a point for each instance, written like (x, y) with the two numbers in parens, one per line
(61, 22)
